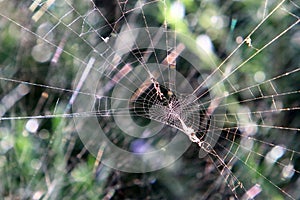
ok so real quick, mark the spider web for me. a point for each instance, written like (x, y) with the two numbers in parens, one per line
(143, 75)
